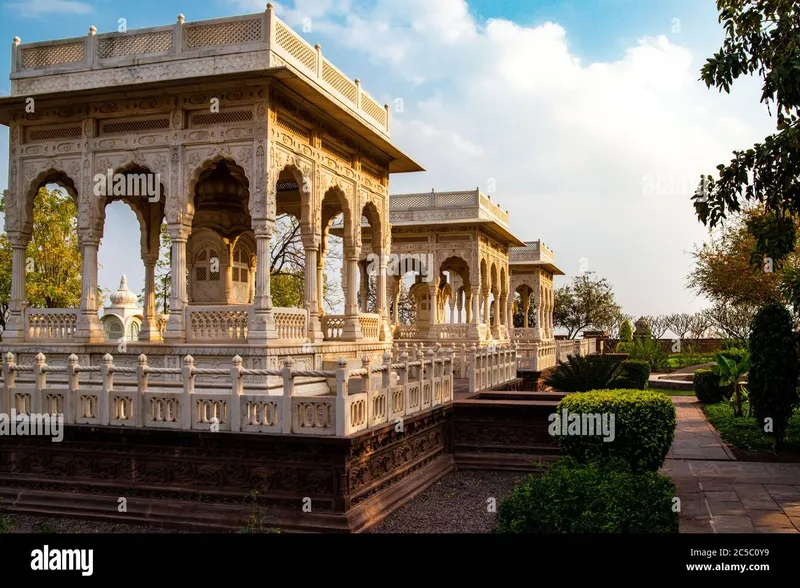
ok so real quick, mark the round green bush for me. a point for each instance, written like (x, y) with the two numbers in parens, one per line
(635, 374)
(707, 388)
(600, 497)
(642, 423)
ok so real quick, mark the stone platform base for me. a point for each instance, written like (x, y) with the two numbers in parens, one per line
(505, 430)
(221, 481)
(206, 481)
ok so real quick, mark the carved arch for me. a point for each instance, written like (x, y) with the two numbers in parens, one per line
(202, 161)
(50, 175)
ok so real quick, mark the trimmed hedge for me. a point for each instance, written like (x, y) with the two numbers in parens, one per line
(635, 375)
(603, 497)
(643, 427)
(736, 354)
(707, 388)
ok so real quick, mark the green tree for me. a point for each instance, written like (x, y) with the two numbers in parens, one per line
(761, 38)
(772, 381)
(625, 332)
(53, 257)
(585, 303)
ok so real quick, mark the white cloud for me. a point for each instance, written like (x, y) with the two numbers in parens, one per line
(569, 143)
(35, 8)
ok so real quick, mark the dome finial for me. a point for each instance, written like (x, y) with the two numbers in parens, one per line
(123, 296)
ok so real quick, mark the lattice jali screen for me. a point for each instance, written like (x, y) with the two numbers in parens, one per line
(134, 126)
(130, 44)
(225, 33)
(218, 118)
(292, 127)
(415, 201)
(49, 133)
(47, 55)
(295, 46)
(339, 83)
(373, 109)
(462, 199)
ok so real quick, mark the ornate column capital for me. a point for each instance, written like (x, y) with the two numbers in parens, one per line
(263, 228)
(179, 232)
(150, 258)
(19, 240)
(90, 237)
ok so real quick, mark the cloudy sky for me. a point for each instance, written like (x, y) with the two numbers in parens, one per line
(585, 119)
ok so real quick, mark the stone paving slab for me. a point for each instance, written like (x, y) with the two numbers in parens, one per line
(720, 494)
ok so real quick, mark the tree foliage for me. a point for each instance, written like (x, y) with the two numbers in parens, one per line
(585, 303)
(53, 257)
(626, 331)
(732, 321)
(762, 38)
(772, 381)
(680, 323)
(728, 267)
(658, 325)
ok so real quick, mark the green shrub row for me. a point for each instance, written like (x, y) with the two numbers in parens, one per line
(603, 497)
(643, 427)
(613, 442)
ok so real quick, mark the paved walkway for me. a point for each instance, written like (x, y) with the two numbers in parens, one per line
(722, 495)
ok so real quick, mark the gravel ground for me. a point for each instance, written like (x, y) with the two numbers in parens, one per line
(30, 524)
(458, 503)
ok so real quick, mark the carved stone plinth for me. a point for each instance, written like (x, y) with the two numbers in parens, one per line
(349, 484)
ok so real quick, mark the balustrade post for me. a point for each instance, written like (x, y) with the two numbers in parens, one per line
(71, 401)
(288, 393)
(237, 389)
(386, 378)
(188, 392)
(402, 378)
(107, 370)
(270, 28)
(421, 373)
(9, 378)
(479, 368)
(491, 363)
(142, 385)
(40, 383)
(449, 365)
(430, 356)
(487, 365)
(436, 372)
(177, 34)
(402, 375)
(366, 380)
(472, 366)
(342, 418)
(366, 386)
